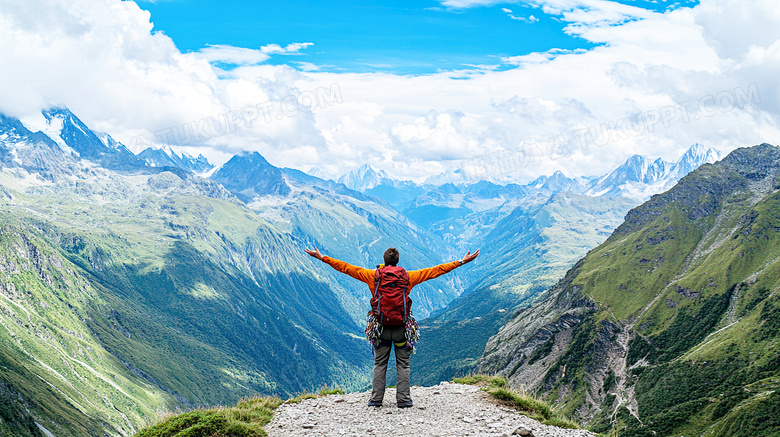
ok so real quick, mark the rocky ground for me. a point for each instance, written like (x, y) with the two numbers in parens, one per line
(447, 409)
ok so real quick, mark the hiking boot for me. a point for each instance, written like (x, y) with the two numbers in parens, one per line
(374, 404)
(406, 404)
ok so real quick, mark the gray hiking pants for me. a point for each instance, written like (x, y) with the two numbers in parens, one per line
(393, 335)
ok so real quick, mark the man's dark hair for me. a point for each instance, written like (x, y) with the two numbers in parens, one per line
(391, 257)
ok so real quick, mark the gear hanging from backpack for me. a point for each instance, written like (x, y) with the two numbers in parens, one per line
(373, 329)
(412, 333)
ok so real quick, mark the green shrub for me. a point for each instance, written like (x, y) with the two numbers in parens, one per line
(244, 420)
(300, 397)
(561, 422)
(471, 379)
(523, 402)
(481, 379)
(325, 391)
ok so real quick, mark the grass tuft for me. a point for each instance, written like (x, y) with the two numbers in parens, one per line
(244, 420)
(528, 405)
(522, 402)
(482, 380)
(300, 397)
(325, 391)
(562, 422)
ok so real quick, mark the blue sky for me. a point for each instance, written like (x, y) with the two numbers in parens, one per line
(400, 36)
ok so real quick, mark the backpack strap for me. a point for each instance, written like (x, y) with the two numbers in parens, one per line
(404, 296)
(378, 280)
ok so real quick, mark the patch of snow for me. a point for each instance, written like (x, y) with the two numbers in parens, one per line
(15, 154)
(317, 173)
(208, 174)
(268, 201)
(51, 128)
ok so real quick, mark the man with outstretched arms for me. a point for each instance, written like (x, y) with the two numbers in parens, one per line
(390, 318)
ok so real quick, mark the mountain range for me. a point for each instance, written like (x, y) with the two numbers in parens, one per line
(167, 157)
(670, 326)
(640, 178)
(133, 284)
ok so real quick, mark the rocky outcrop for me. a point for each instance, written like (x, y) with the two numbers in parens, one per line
(537, 335)
(443, 410)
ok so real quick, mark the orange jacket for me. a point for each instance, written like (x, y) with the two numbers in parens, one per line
(367, 275)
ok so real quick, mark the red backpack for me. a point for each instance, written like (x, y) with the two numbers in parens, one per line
(391, 304)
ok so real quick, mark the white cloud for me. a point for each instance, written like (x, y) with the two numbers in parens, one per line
(529, 19)
(582, 12)
(644, 67)
(228, 54)
(232, 55)
(592, 12)
(733, 27)
(307, 66)
(102, 59)
(289, 49)
(539, 57)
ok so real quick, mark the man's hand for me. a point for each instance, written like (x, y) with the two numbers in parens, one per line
(316, 253)
(469, 257)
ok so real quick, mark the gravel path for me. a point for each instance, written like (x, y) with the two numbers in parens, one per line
(447, 409)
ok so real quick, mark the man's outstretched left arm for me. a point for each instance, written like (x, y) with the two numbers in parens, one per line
(418, 276)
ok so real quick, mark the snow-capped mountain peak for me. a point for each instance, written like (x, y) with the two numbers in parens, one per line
(50, 126)
(639, 178)
(456, 177)
(111, 143)
(317, 173)
(74, 133)
(61, 127)
(363, 178)
(555, 183)
(694, 157)
(168, 157)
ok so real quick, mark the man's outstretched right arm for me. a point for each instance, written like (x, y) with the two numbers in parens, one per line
(359, 273)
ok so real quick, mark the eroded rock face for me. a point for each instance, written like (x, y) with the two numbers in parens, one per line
(524, 349)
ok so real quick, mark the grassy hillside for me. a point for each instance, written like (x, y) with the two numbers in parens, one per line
(526, 252)
(247, 418)
(131, 295)
(669, 327)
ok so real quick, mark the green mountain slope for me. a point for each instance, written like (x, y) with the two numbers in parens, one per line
(130, 292)
(127, 295)
(670, 327)
(524, 254)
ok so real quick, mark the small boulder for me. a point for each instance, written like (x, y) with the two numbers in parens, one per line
(523, 431)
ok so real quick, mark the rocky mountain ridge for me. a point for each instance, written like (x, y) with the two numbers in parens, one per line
(670, 326)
